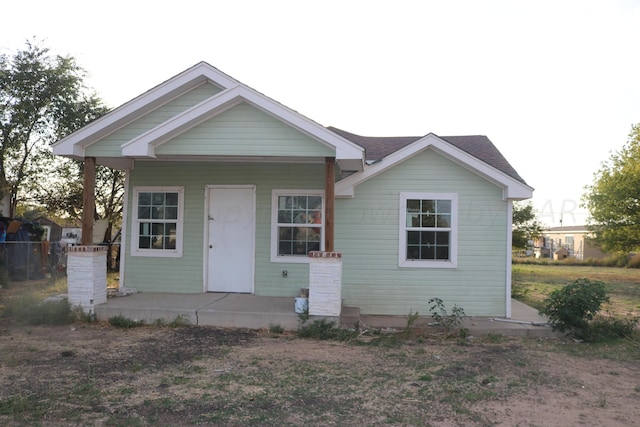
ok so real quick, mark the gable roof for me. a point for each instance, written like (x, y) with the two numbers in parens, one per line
(352, 151)
(479, 146)
(475, 153)
(348, 154)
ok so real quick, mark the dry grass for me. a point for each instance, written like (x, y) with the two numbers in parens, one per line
(533, 283)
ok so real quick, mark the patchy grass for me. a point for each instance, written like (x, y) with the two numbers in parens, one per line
(96, 373)
(536, 282)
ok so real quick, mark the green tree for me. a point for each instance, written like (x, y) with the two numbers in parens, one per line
(65, 198)
(613, 201)
(42, 98)
(525, 225)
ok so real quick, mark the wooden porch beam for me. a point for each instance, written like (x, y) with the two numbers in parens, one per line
(329, 200)
(88, 200)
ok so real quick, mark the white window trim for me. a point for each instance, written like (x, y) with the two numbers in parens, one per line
(274, 224)
(402, 240)
(135, 228)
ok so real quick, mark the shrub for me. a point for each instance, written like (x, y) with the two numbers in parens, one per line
(123, 322)
(634, 262)
(452, 323)
(571, 308)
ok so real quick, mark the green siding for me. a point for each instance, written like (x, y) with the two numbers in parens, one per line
(186, 274)
(244, 130)
(110, 146)
(367, 234)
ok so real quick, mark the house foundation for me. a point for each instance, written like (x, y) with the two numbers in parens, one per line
(87, 276)
(325, 283)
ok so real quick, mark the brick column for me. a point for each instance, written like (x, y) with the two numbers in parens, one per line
(87, 276)
(325, 283)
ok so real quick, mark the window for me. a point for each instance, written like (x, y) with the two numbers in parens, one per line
(428, 230)
(297, 224)
(568, 243)
(157, 221)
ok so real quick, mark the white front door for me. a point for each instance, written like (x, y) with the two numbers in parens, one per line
(231, 238)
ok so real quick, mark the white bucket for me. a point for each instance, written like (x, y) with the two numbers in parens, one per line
(301, 305)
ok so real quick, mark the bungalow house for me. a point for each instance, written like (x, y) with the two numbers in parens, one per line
(230, 191)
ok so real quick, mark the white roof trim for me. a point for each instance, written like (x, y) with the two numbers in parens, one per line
(348, 154)
(512, 188)
(201, 73)
(145, 144)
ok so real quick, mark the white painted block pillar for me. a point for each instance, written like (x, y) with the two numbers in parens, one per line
(87, 276)
(325, 283)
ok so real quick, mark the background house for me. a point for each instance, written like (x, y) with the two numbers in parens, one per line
(575, 239)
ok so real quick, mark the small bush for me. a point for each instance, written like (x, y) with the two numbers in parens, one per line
(452, 323)
(276, 329)
(571, 308)
(634, 261)
(123, 322)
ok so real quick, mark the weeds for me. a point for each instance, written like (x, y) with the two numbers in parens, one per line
(452, 323)
(178, 322)
(276, 329)
(28, 308)
(123, 322)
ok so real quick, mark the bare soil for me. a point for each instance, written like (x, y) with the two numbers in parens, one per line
(96, 374)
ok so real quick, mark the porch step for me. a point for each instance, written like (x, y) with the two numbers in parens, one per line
(349, 316)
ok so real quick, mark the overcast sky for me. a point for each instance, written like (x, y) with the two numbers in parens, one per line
(554, 84)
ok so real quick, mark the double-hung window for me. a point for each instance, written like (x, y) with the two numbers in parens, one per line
(157, 221)
(297, 224)
(428, 230)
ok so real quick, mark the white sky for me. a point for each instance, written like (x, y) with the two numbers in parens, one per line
(555, 84)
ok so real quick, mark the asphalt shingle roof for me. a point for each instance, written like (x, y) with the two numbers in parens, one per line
(479, 146)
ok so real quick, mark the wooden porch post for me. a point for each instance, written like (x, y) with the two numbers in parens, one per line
(329, 199)
(88, 200)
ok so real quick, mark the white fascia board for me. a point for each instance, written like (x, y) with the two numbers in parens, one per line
(512, 188)
(197, 75)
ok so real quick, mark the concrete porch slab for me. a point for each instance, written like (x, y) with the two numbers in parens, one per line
(206, 309)
(257, 312)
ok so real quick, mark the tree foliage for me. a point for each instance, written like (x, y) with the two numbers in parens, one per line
(42, 98)
(65, 198)
(525, 225)
(613, 201)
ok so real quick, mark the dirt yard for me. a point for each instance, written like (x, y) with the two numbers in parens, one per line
(96, 374)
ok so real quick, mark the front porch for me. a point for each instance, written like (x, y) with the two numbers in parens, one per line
(207, 309)
(258, 312)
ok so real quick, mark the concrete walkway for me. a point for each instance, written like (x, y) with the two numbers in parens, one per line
(254, 312)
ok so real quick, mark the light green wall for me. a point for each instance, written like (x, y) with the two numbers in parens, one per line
(186, 274)
(244, 130)
(367, 234)
(110, 145)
